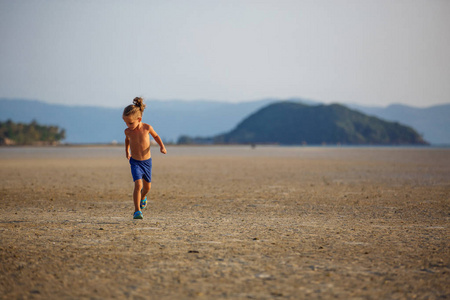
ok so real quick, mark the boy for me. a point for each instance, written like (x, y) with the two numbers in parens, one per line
(138, 141)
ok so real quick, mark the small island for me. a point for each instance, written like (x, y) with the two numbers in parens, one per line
(19, 134)
(290, 123)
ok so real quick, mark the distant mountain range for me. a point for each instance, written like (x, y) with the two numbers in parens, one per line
(172, 119)
(290, 123)
(84, 124)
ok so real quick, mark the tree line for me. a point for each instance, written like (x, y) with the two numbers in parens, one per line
(12, 133)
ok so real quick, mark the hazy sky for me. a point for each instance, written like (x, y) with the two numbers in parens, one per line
(371, 52)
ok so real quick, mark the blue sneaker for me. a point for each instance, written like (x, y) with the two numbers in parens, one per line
(143, 203)
(138, 215)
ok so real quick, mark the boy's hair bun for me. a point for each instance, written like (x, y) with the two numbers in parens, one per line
(137, 107)
(139, 102)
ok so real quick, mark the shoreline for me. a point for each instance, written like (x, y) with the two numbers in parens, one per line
(87, 145)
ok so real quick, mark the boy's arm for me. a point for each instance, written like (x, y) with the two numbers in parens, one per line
(127, 147)
(162, 148)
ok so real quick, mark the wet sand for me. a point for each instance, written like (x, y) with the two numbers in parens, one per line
(226, 223)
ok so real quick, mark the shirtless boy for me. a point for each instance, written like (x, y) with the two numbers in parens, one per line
(138, 141)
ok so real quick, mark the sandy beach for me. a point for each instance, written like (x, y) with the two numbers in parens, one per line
(226, 223)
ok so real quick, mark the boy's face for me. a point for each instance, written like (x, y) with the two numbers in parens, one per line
(132, 121)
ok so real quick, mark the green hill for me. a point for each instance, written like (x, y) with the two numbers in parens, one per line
(291, 123)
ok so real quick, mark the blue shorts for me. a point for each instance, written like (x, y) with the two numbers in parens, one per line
(141, 169)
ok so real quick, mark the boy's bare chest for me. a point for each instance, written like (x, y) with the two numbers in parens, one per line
(138, 136)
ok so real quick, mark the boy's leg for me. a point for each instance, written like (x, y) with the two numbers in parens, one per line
(145, 189)
(137, 194)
